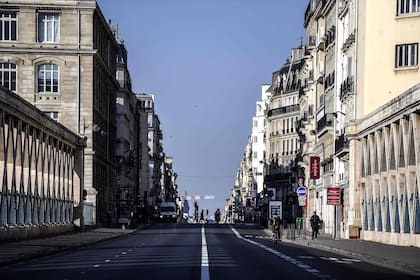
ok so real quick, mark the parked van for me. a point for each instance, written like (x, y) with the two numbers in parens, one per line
(168, 211)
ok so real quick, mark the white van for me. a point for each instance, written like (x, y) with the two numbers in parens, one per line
(168, 212)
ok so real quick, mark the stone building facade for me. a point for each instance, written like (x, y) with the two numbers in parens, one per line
(60, 56)
(41, 169)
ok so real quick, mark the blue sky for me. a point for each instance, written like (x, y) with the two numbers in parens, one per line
(205, 62)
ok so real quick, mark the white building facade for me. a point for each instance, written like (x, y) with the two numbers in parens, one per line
(257, 138)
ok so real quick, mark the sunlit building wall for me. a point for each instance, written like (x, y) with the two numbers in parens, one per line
(62, 55)
(257, 138)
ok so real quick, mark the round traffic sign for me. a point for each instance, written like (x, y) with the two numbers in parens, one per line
(301, 191)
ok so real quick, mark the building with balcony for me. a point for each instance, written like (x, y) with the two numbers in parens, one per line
(281, 138)
(61, 56)
(145, 108)
(318, 134)
(170, 188)
(127, 146)
(309, 98)
(366, 117)
(156, 160)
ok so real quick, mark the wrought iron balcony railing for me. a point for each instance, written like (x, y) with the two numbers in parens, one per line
(283, 110)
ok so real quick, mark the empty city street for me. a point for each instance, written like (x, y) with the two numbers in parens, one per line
(196, 251)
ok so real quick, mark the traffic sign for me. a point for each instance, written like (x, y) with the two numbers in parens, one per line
(302, 200)
(301, 191)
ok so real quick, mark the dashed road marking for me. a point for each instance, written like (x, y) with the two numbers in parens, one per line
(306, 257)
(341, 260)
(205, 274)
(285, 257)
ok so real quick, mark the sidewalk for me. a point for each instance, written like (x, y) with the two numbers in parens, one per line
(13, 252)
(406, 259)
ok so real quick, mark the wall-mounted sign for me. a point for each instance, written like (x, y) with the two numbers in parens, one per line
(333, 196)
(275, 209)
(315, 163)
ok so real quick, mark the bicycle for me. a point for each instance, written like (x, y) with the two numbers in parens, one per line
(276, 233)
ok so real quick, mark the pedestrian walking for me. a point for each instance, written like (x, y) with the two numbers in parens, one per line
(217, 215)
(315, 223)
(202, 216)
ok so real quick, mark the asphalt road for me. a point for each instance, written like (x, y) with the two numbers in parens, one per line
(193, 251)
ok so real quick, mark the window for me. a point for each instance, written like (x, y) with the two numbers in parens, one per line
(255, 123)
(406, 55)
(48, 78)
(255, 155)
(53, 115)
(284, 147)
(408, 7)
(255, 139)
(48, 28)
(8, 75)
(291, 146)
(8, 26)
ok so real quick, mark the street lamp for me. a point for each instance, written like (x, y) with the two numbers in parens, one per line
(335, 115)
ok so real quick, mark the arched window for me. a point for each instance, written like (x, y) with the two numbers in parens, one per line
(8, 75)
(48, 78)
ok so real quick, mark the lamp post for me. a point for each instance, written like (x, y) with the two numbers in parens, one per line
(335, 115)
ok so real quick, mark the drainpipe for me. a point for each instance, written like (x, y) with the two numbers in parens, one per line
(82, 220)
(78, 72)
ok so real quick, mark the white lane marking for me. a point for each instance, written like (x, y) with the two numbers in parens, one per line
(96, 265)
(305, 257)
(285, 257)
(205, 274)
(351, 260)
(107, 260)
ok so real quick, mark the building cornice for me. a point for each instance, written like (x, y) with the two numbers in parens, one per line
(48, 51)
(408, 102)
